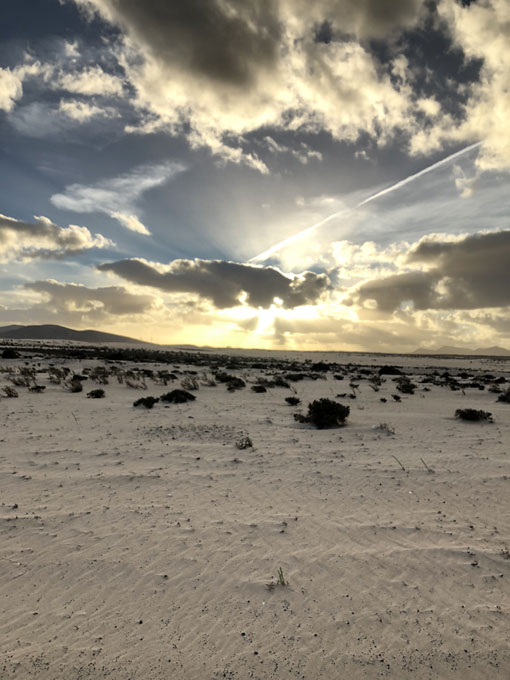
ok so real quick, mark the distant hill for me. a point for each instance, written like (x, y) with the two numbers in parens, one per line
(480, 351)
(54, 332)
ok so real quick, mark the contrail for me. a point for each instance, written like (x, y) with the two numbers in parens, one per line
(383, 192)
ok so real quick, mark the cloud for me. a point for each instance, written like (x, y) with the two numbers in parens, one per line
(480, 30)
(337, 333)
(82, 111)
(97, 90)
(218, 70)
(11, 81)
(303, 153)
(131, 222)
(225, 43)
(499, 322)
(10, 89)
(72, 297)
(90, 81)
(43, 239)
(50, 301)
(117, 196)
(42, 120)
(364, 19)
(469, 272)
(225, 284)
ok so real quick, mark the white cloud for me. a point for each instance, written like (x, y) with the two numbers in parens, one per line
(117, 196)
(481, 31)
(269, 71)
(44, 239)
(82, 111)
(10, 89)
(89, 81)
(11, 81)
(131, 222)
(220, 70)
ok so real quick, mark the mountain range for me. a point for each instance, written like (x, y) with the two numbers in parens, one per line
(480, 351)
(55, 332)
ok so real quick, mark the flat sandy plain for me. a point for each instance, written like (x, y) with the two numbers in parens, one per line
(141, 543)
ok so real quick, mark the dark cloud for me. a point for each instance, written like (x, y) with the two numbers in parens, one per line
(499, 322)
(229, 41)
(44, 239)
(216, 70)
(225, 282)
(468, 274)
(222, 41)
(78, 299)
(391, 291)
(367, 19)
(337, 333)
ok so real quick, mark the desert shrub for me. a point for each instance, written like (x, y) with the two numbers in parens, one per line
(148, 402)
(177, 397)
(294, 377)
(135, 383)
(162, 377)
(473, 414)
(99, 375)
(385, 427)
(389, 370)
(223, 377)
(235, 384)
(37, 388)
(280, 382)
(73, 386)
(258, 388)
(405, 386)
(95, 394)
(207, 380)
(324, 413)
(504, 397)
(189, 383)
(293, 401)
(9, 353)
(9, 392)
(320, 366)
(244, 442)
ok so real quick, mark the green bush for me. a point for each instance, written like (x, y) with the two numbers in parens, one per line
(504, 397)
(148, 402)
(325, 413)
(258, 388)
(235, 384)
(177, 397)
(96, 394)
(473, 414)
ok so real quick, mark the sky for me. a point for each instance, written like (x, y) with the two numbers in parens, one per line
(273, 174)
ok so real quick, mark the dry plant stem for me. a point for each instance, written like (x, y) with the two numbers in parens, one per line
(281, 580)
(429, 469)
(403, 468)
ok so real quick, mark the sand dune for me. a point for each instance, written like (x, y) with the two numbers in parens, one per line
(144, 544)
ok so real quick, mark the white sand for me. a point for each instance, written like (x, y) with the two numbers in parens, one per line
(139, 543)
